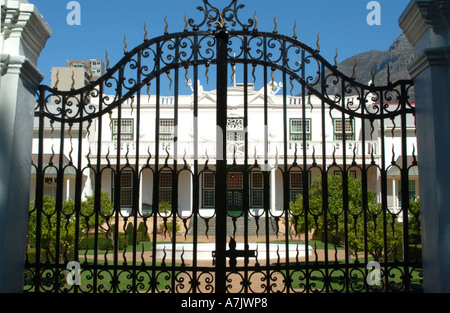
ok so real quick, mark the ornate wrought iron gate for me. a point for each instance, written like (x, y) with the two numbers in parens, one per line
(116, 238)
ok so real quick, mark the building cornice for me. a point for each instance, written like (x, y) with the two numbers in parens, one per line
(24, 31)
(413, 23)
(429, 57)
(425, 24)
(12, 64)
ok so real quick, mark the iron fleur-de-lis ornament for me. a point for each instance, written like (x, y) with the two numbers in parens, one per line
(221, 18)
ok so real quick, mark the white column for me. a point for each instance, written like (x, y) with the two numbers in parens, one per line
(394, 196)
(68, 189)
(273, 191)
(24, 33)
(191, 190)
(426, 24)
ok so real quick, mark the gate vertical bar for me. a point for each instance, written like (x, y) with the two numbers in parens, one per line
(98, 183)
(78, 187)
(325, 185)
(195, 201)
(384, 199)
(266, 187)
(345, 204)
(285, 143)
(285, 173)
(246, 168)
(221, 161)
(39, 202)
(364, 176)
(156, 175)
(117, 185)
(305, 191)
(405, 187)
(175, 175)
(59, 194)
(136, 189)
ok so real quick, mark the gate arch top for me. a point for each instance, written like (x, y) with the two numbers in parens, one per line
(300, 62)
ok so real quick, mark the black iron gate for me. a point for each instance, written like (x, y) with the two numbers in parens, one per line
(298, 215)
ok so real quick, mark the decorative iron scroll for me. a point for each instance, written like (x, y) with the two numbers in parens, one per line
(220, 18)
(181, 58)
(281, 53)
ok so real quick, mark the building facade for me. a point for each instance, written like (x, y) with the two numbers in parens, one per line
(135, 138)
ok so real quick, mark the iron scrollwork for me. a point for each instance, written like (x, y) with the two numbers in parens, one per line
(221, 18)
(276, 62)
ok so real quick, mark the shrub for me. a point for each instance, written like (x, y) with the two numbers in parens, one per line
(142, 232)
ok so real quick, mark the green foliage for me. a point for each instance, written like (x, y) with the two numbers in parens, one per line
(58, 225)
(355, 227)
(129, 233)
(142, 232)
(104, 242)
(167, 228)
(165, 207)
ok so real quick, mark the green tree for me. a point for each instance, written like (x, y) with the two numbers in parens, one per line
(87, 210)
(49, 227)
(59, 225)
(414, 220)
(167, 227)
(354, 227)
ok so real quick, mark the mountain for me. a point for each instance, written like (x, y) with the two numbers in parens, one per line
(398, 57)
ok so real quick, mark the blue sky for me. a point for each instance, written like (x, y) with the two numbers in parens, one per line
(342, 25)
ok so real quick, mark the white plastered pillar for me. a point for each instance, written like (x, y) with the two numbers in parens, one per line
(426, 25)
(24, 33)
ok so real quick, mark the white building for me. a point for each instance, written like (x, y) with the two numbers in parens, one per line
(264, 144)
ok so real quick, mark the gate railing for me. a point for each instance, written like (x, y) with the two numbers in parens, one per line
(234, 149)
(328, 229)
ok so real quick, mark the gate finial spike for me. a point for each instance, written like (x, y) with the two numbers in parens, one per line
(388, 75)
(354, 68)
(256, 22)
(373, 76)
(233, 81)
(186, 76)
(317, 42)
(206, 74)
(126, 45)
(275, 22)
(273, 78)
(291, 79)
(146, 31)
(107, 60)
(167, 25)
(170, 79)
(131, 104)
(295, 29)
(185, 23)
(57, 79)
(148, 92)
(335, 59)
(71, 144)
(73, 80)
